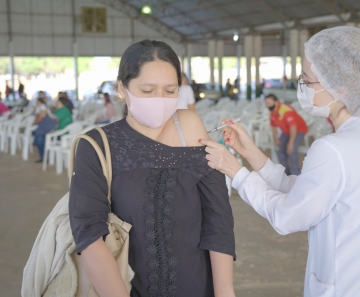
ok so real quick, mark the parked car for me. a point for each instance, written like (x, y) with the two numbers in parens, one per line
(276, 83)
(202, 91)
(108, 86)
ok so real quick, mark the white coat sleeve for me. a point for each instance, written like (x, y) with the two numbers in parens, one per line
(311, 197)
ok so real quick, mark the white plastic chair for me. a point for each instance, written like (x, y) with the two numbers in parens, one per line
(53, 145)
(263, 139)
(27, 141)
(66, 142)
(4, 130)
(13, 133)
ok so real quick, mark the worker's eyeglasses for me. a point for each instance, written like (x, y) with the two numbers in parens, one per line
(304, 82)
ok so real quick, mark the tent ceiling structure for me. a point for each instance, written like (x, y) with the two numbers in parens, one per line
(193, 20)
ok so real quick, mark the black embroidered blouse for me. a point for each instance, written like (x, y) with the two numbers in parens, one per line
(177, 205)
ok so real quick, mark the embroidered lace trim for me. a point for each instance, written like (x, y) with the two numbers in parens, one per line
(158, 210)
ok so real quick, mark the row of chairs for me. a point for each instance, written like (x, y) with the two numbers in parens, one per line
(16, 130)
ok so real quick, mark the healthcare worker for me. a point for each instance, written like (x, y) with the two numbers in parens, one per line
(325, 198)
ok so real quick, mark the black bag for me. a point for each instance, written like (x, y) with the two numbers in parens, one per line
(45, 126)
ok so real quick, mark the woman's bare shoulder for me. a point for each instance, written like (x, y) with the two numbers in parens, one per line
(192, 127)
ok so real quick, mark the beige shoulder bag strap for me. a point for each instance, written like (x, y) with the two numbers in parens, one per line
(105, 161)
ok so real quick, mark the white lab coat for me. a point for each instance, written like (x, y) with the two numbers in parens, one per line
(324, 199)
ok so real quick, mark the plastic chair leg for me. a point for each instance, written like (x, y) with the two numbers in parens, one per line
(13, 145)
(25, 148)
(59, 162)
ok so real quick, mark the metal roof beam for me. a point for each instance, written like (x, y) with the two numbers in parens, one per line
(333, 7)
(147, 20)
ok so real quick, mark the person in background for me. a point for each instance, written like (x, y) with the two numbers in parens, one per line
(294, 129)
(3, 108)
(108, 112)
(8, 90)
(186, 95)
(62, 114)
(69, 103)
(41, 111)
(228, 87)
(196, 89)
(21, 90)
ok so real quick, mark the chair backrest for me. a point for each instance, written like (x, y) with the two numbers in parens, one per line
(74, 128)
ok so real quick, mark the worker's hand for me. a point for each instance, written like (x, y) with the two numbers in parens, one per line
(290, 148)
(237, 138)
(220, 158)
(277, 142)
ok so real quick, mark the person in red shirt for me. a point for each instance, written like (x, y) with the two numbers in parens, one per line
(293, 129)
(3, 108)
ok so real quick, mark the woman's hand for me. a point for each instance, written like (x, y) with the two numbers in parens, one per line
(220, 158)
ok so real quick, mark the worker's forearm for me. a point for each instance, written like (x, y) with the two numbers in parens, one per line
(102, 270)
(222, 270)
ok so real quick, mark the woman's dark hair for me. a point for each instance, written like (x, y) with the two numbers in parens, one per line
(64, 101)
(42, 100)
(107, 98)
(272, 96)
(139, 53)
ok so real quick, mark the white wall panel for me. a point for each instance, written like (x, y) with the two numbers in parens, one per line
(20, 6)
(2, 6)
(120, 45)
(21, 24)
(61, 7)
(42, 46)
(23, 46)
(42, 25)
(62, 25)
(104, 46)
(122, 26)
(3, 45)
(63, 46)
(86, 46)
(3, 25)
(41, 6)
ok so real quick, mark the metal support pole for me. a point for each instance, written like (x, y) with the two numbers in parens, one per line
(188, 60)
(75, 50)
(238, 65)
(220, 54)
(11, 49)
(211, 53)
(248, 41)
(132, 31)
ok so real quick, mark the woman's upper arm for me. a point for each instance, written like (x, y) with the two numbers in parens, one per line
(192, 127)
(310, 200)
(88, 204)
(217, 232)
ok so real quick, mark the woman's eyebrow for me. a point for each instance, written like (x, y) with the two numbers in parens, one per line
(154, 85)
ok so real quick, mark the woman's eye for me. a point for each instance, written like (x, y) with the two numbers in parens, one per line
(146, 92)
(171, 92)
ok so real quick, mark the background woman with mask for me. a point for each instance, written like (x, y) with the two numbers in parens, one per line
(325, 197)
(182, 239)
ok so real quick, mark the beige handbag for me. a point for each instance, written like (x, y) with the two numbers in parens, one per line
(72, 279)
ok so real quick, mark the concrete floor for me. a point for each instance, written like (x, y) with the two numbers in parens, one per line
(268, 265)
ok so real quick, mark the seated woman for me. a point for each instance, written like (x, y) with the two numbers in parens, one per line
(62, 114)
(59, 119)
(182, 240)
(42, 113)
(108, 111)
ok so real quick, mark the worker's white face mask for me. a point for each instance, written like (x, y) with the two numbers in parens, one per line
(306, 100)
